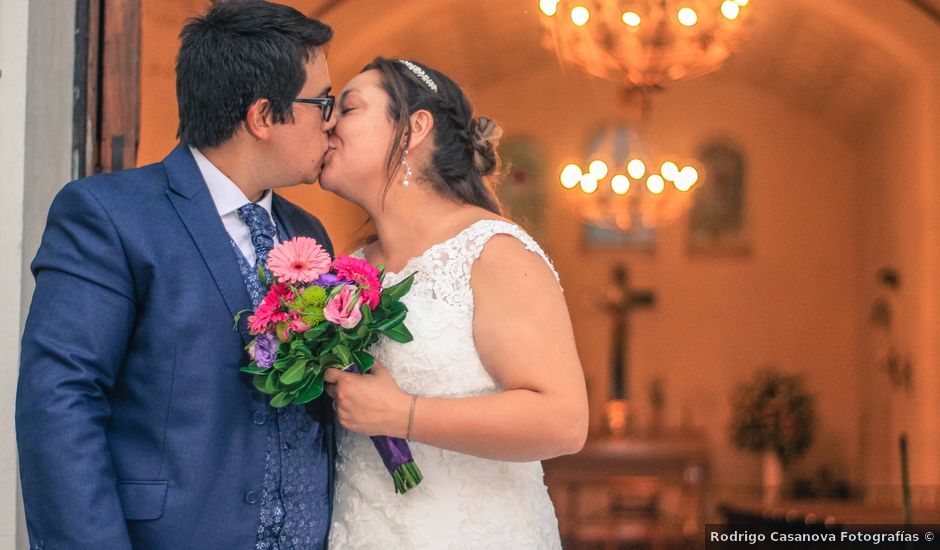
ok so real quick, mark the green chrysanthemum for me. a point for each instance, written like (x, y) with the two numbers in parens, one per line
(313, 297)
(312, 317)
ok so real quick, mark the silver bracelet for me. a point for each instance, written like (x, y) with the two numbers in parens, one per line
(411, 417)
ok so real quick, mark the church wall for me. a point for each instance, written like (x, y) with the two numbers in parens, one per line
(902, 230)
(791, 302)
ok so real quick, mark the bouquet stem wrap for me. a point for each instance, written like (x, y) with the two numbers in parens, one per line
(397, 457)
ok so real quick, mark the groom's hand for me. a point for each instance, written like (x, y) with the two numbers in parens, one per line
(370, 404)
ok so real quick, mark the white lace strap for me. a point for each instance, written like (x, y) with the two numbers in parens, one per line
(482, 231)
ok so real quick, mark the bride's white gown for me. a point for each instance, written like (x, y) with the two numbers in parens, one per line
(464, 501)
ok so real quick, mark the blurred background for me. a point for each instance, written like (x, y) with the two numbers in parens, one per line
(740, 198)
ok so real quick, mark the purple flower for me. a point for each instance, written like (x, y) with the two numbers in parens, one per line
(327, 280)
(265, 350)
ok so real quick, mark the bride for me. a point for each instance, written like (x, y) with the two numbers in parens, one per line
(492, 382)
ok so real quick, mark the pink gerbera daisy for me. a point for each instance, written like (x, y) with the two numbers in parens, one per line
(299, 260)
(364, 274)
(269, 311)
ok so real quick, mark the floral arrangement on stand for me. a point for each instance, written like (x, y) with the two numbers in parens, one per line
(773, 412)
(773, 415)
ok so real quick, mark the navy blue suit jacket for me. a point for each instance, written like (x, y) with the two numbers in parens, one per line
(134, 425)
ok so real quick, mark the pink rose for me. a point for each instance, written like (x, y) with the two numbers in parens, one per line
(343, 308)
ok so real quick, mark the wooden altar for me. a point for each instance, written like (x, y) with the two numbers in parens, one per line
(636, 491)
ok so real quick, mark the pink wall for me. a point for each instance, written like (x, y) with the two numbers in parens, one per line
(793, 302)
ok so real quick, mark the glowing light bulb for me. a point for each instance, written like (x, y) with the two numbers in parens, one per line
(636, 169)
(631, 19)
(656, 184)
(580, 15)
(687, 177)
(598, 169)
(730, 10)
(620, 184)
(687, 17)
(548, 7)
(669, 170)
(588, 183)
(570, 176)
(741, 3)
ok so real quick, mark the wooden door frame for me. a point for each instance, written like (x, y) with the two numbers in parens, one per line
(106, 113)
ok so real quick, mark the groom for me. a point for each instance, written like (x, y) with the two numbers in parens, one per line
(134, 426)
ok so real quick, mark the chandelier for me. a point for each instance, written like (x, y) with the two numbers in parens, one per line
(622, 186)
(645, 43)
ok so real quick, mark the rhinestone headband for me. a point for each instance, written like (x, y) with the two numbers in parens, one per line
(419, 72)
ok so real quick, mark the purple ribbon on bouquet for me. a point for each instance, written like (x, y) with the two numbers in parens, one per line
(396, 455)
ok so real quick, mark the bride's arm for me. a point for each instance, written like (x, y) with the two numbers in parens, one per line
(524, 336)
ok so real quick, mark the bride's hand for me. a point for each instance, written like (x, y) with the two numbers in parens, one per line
(370, 404)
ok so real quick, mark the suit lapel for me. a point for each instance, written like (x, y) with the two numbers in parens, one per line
(285, 226)
(193, 203)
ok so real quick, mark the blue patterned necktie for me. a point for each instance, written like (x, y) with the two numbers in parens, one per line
(262, 232)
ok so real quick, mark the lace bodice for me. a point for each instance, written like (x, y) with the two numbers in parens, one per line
(464, 501)
(443, 270)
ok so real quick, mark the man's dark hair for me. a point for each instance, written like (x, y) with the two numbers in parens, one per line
(238, 52)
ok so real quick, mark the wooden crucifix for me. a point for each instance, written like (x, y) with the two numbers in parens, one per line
(620, 303)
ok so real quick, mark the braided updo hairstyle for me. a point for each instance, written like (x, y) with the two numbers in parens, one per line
(465, 147)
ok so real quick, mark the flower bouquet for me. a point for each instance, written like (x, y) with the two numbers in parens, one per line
(318, 315)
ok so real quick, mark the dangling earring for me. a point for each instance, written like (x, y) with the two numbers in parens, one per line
(406, 181)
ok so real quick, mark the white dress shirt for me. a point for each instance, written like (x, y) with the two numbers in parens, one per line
(228, 198)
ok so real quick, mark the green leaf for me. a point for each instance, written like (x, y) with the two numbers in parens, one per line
(391, 321)
(343, 353)
(259, 382)
(254, 369)
(294, 374)
(364, 360)
(316, 331)
(334, 341)
(281, 400)
(315, 367)
(313, 390)
(327, 357)
(270, 387)
(282, 363)
(399, 333)
(396, 291)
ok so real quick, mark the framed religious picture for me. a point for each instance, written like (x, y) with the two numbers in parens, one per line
(521, 190)
(718, 220)
(607, 233)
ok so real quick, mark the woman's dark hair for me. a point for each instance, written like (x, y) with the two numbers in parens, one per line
(238, 52)
(464, 146)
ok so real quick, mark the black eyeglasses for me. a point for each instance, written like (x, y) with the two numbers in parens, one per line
(325, 103)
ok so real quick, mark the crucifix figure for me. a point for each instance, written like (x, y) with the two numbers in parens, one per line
(621, 300)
